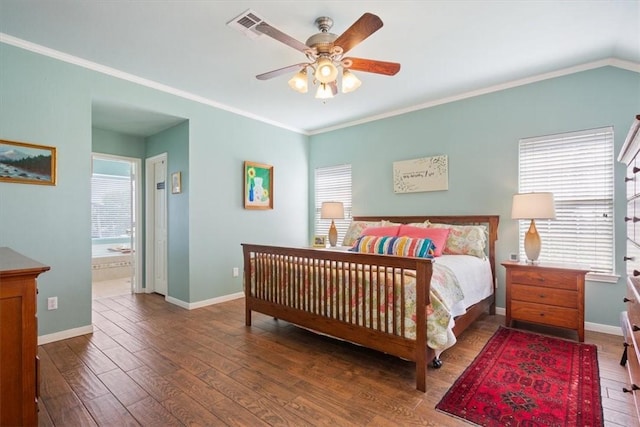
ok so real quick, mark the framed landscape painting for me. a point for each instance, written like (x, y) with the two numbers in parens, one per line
(24, 163)
(258, 186)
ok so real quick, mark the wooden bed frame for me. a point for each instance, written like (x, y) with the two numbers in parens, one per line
(264, 271)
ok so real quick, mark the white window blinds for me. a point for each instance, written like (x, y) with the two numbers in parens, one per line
(577, 168)
(110, 206)
(333, 184)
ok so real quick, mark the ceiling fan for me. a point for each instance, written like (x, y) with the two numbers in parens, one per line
(325, 53)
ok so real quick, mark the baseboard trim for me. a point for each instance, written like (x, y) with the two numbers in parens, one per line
(83, 330)
(63, 335)
(588, 326)
(204, 303)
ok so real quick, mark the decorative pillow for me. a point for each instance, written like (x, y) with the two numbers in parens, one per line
(391, 231)
(419, 224)
(465, 239)
(400, 246)
(355, 230)
(437, 235)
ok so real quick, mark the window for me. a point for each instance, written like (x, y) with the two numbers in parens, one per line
(333, 184)
(577, 168)
(110, 206)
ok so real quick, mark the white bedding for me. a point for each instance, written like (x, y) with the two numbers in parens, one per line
(474, 277)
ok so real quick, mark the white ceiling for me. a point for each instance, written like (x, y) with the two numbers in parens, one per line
(448, 50)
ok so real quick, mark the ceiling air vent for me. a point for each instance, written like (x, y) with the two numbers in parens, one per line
(246, 23)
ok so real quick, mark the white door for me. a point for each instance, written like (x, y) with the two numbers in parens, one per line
(157, 224)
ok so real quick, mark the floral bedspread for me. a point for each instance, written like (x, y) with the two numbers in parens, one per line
(354, 307)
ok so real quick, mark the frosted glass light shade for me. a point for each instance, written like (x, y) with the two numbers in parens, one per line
(299, 81)
(324, 91)
(325, 70)
(349, 81)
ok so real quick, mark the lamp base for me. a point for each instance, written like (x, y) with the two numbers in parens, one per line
(333, 234)
(532, 244)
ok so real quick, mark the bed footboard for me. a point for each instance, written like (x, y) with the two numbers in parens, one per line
(352, 296)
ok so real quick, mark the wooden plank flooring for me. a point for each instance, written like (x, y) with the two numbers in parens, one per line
(152, 363)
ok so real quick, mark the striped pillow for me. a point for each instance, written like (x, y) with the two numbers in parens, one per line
(400, 246)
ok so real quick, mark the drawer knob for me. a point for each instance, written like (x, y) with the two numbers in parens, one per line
(631, 218)
(625, 299)
(633, 388)
(627, 179)
(636, 169)
(635, 328)
(636, 273)
(628, 258)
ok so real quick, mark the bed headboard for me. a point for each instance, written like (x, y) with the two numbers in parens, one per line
(491, 221)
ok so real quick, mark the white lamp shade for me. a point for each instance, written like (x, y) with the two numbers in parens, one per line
(533, 206)
(332, 210)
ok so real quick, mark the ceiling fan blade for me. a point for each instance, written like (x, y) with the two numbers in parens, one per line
(281, 71)
(373, 66)
(274, 33)
(358, 31)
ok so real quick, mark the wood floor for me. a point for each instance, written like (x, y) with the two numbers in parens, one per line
(151, 363)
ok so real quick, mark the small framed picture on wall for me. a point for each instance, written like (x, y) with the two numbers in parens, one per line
(176, 183)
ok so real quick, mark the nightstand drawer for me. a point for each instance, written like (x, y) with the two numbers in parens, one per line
(537, 277)
(542, 295)
(545, 314)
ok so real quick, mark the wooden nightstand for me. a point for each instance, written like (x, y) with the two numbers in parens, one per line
(547, 294)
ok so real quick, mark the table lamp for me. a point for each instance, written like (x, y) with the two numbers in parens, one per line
(533, 206)
(332, 210)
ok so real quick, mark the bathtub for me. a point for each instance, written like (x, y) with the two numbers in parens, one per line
(107, 264)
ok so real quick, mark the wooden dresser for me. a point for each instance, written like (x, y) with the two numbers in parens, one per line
(18, 339)
(547, 294)
(630, 319)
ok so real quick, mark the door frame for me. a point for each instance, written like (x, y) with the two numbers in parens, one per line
(136, 235)
(150, 240)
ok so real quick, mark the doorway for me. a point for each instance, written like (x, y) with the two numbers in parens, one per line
(115, 210)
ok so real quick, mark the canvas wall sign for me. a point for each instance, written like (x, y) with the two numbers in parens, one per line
(424, 174)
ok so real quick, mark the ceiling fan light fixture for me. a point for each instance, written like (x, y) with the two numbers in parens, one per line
(324, 91)
(299, 82)
(326, 71)
(349, 81)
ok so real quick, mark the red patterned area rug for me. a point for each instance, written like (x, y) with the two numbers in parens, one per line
(525, 379)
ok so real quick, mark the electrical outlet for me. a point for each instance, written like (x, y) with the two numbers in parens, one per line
(52, 303)
(236, 271)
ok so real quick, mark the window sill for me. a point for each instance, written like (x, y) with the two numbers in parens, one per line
(602, 277)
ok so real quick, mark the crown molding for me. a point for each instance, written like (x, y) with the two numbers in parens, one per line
(52, 53)
(614, 62)
(71, 59)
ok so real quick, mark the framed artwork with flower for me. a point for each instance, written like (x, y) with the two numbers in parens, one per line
(258, 186)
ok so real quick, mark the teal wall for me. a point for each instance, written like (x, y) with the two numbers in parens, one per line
(118, 144)
(480, 136)
(47, 101)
